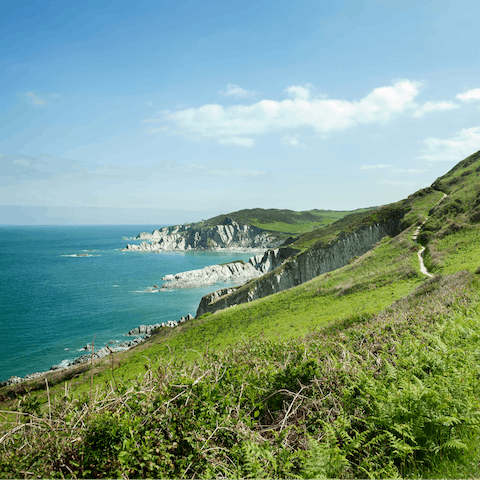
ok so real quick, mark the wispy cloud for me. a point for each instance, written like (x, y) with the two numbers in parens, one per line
(292, 141)
(46, 166)
(301, 92)
(36, 100)
(414, 171)
(234, 90)
(162, 129)
(239, 141)
(434, 107)
(237, 173)
(22, 162)
(398, 183)
(469, 95)
(463, 143)
(231, 125)
(379, 166)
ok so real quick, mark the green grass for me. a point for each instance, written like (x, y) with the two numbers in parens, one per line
(284, 221)
(289, 228)
(455, 252)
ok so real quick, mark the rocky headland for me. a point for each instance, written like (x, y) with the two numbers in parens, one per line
(235, 272)
(283, 270)
(229, 236)
(238, 272)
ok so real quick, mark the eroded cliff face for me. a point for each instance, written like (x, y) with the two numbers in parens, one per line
(237, 272)
(290, 272)
(230, 236)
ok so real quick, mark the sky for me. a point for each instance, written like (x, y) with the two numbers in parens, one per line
(159, 112)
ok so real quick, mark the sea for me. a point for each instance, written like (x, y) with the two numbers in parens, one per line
(62, 287)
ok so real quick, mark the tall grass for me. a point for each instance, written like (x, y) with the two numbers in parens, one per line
(385, 395)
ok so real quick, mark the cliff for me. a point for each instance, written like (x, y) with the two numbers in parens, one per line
(229, 236)
(235, 272)
(238, 272)
(286, 272)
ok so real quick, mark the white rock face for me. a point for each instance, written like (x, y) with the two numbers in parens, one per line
(237, 272)
(230, 236)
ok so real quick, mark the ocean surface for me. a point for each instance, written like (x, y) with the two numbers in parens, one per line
(53, 302)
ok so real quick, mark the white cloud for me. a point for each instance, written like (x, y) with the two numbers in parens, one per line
(239, 141)
(292, 141)
(434, 107)
(463, 143)
(234, 90)
(375, 167)
(410, 170)
(36, 100)
(302, 92)
(469, 95)
(2, 155)
(323, 115)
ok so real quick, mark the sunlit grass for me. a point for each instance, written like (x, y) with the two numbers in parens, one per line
(455, 252)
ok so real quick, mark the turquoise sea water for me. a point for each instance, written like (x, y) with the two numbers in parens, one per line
(52, 303)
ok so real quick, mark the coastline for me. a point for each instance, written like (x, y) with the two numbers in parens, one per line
(141, 333)
(61, 276)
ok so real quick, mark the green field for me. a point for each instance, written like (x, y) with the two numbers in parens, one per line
(284, 221)
(368, 371)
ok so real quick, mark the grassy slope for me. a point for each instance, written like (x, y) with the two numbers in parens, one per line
(371, 370)
(284, 221)
(453, 231)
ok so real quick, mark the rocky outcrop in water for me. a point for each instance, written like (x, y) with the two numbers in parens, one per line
(300, 268)
(235, 272)
(230, 236)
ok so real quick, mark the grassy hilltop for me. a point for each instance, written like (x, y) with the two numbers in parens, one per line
(284, 221)
(368, 371)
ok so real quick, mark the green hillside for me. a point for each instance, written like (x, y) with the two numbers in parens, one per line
(368, 371)
(284, 221)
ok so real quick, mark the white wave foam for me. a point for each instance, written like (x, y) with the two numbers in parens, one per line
(80, 255)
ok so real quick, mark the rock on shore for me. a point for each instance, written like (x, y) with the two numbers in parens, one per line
(141, 333)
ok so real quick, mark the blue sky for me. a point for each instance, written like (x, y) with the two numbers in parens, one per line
(172, 111)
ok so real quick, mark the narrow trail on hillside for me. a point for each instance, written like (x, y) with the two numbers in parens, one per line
(423, 268)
